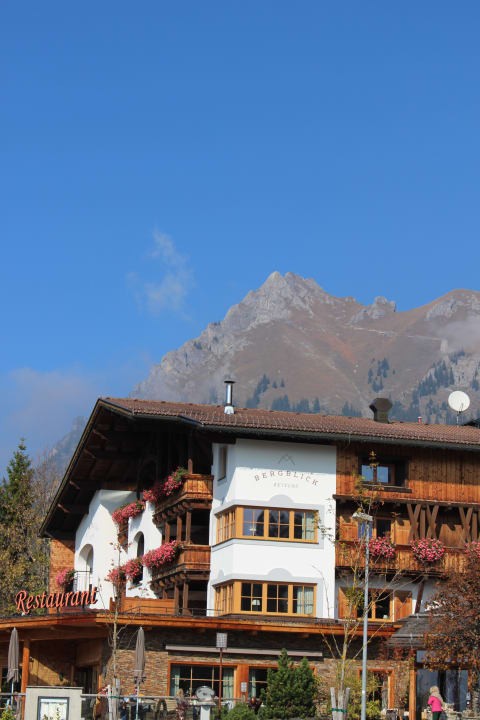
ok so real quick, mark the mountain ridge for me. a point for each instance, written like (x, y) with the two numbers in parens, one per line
(291, 345)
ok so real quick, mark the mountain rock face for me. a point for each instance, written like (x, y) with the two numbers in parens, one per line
(291, 346)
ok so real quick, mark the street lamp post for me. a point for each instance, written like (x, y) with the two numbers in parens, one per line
(221, 645)
(367, 521)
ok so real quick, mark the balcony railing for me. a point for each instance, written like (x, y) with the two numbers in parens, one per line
(193, 559)
(350, 554)
(195, 492)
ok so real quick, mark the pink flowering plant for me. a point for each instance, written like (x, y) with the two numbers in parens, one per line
(124, 512)
(65, 578)
(473, 549)
(133, 569)
(382, 547)
(163, 555)
(428, 550)
(166, 487)
(117, 575)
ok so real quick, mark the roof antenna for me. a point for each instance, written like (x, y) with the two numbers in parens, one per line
(229, 397)
(459, 402)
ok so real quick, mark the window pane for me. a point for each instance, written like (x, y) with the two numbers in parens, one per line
(246, 589)
(382, 608)
(257, 681)
(284, 517)
(383, 474)
(272, 591)
(272, 605)
(283, 591)
(257, 590)
(253, 522)
(367, 473)
(246, 604)
(227, 682)
(283, 606)
(284, 531)
(383, 527)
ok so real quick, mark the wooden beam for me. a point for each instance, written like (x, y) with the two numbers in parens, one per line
(73, 509)
(190, 453)
(423, 529)
(25, 665)
(188, 526)
(466, 518)
(431, 520)
(413, 515)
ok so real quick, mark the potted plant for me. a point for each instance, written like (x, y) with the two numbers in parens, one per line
(65, 578)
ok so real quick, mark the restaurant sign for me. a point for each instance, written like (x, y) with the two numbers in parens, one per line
(26, 602)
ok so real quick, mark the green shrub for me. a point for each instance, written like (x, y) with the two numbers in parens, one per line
(7, 713)
(241, 711)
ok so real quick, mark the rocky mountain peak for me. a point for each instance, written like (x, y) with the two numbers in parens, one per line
(292, 346)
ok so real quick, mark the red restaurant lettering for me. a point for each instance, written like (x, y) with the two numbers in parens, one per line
(25, 602)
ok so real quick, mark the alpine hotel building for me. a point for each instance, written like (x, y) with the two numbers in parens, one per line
(254, 540)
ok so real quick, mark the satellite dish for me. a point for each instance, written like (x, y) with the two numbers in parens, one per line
(204, 693)
(459, 401)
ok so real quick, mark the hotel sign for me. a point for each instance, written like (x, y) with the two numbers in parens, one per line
(26, 603)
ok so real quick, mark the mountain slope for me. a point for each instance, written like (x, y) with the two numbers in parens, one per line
(291, 345)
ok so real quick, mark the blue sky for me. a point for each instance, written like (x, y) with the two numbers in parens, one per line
(159, 160)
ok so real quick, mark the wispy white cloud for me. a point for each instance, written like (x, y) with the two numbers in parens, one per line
(41, 405)
(171, 291)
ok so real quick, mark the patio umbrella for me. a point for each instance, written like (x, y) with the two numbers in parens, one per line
(13, 673)
(139, 670)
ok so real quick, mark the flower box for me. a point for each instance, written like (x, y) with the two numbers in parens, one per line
(381, 547)
(428, 550)
(122, 514)
(165, 488)
(164, 555)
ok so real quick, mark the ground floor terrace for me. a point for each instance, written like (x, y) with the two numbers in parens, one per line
(75, 648)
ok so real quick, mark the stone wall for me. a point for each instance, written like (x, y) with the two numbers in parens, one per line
(62, 555)
(158, 658)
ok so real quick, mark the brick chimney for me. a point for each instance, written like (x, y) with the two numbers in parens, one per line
(380, 408)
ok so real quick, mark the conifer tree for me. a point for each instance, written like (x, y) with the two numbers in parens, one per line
(279, 693)
(23, 555)
(290, 691)
(304, 687)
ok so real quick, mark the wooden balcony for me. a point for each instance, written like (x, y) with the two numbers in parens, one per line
(144, 606)
(195, 493)
(350, 554)
(193, 563)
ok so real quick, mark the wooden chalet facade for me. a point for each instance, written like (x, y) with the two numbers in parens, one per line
(251, 560)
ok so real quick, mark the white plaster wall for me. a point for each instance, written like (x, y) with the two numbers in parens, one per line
(98, 529)
(153, 539)
(283, 475)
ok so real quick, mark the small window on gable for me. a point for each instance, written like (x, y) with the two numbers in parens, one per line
(222, 463)
(383, 471)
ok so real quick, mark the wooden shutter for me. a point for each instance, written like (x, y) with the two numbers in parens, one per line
(342, 603)
(403, 604)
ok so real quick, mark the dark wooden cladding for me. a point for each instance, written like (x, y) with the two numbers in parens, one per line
(124, 454)
(404, 561)
(431, 473)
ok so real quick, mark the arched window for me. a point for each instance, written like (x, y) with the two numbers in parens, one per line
(140, 551)
(140, 545)
(85, 569)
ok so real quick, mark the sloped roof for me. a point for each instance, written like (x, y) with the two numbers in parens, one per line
(310, 423)
(411, 632)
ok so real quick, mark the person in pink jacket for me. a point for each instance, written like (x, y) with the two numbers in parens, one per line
(436, 702)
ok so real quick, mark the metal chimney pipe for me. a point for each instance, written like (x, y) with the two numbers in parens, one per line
(229, 397)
